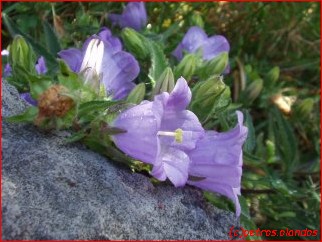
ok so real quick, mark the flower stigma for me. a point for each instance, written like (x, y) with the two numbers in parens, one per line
(177, 134)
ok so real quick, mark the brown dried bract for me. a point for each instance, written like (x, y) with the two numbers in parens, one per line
(54, 103)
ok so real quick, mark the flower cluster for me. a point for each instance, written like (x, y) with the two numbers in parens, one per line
(156, 127)
(163, 133)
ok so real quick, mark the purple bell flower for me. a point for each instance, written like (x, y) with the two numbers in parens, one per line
(133, 16)
(196, 39)
(102, 60)
(218, 159)
(161, 132)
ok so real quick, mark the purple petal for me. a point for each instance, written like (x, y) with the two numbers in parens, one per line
(7, 70)
(212, 149)
(213, 46)
(73, 57)
(178, 52)
(171, 163)
(188, 122)
(115, 18)
(41, 67)
(140, 139)
(180, 96)
(192, 40)
(119, 70)
(133, 16)
(27, 97)
(106, 36)
(218, 158)
(223, 189)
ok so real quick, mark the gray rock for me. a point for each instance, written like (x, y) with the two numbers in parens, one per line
(51, 190)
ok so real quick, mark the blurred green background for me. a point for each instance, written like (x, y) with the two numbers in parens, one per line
(275, 75)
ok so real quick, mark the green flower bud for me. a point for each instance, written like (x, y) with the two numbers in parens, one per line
(270, 151)
(304, 108)
(135, 43)
(252, 91)
(209, 96)
(137, 94)
(165, 83)
(187, 66)
(196, 20)
(216, 66)
(273, 74)
(21, 55)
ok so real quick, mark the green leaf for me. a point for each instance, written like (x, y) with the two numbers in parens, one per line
(159, 61)
(28, 116)
(39, 84)
(68, 78)
(51, 39)
(246, 220)
(76, 137)
(40, 50)
(251, 138)
(284, 136)
(219, 201)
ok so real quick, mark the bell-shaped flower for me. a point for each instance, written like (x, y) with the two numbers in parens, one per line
(217, 162)
(102, 61)
(133, 16)
(161, 132)
(196, 39)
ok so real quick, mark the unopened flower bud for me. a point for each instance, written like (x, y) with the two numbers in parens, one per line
(165, 83)
(253, 90)
(134, 42)
(273, 74)
(216, 66)
(21, 54)
(137, 94)
(304, 107)
(196, 20)
(187, 66)
(206, 96)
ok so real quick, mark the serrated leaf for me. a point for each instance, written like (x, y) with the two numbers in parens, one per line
(91, 106)
(51, 39)
(159, 61)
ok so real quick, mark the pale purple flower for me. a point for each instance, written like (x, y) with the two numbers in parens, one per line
(41, 68)
(161, 132)
(218, 159)
(133, 16)
(27, 98)
(196, 39)
(102, 60)
(7, 70)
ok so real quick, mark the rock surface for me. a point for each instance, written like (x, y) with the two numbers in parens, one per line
(51, 190)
